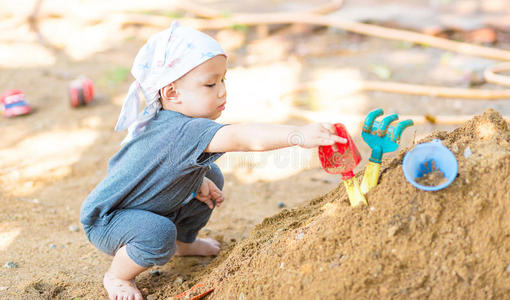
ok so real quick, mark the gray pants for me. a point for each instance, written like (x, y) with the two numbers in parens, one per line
(150, 238)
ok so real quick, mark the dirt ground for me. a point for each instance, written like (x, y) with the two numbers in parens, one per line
(286, 229)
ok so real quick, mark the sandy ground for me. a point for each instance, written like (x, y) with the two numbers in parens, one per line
(406, 244)
(50, 160)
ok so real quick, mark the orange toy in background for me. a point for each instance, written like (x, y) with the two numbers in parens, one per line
(14, 104)
(81, 92)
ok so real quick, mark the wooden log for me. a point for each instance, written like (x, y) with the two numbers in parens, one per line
(417, 119)
(414, 89)
(205, 12)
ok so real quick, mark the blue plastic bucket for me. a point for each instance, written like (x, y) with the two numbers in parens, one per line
(417, 163)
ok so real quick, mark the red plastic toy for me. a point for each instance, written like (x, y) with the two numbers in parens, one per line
(81, 92)
(14, 104)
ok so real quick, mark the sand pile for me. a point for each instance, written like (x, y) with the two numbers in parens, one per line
(408, 243)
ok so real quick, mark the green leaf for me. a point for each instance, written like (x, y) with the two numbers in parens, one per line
(114, 76)
(381, 71)
(173, 14)
(447, 57)
(118, 74)
(225, 14)
(404, 44)
(240, 27)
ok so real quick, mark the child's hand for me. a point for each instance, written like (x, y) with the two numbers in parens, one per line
(317, 134)
(209, 192)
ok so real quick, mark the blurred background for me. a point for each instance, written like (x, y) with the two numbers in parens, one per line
(279, 72)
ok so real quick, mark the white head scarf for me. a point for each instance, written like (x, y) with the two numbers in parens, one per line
(166, 57)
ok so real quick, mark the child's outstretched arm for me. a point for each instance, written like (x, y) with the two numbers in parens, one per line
(263, 137)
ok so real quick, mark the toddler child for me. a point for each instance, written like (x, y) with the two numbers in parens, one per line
(162, 185)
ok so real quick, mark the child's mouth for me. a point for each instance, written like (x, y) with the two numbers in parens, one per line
(222, 107)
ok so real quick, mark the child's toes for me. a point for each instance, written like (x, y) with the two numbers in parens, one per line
(215, 243)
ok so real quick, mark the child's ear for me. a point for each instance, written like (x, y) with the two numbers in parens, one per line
(169, 93)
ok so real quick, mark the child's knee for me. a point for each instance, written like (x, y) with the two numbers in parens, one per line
(155, 248)
(216, 176)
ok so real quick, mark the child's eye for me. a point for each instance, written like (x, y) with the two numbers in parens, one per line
(210, 85)
(223, 79)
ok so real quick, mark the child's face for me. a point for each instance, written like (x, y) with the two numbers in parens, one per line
(202, 91)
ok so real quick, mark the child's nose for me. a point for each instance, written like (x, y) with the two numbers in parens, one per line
(222, 92)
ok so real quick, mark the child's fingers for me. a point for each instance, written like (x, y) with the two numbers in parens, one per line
(216, 194)
(338, 139)
(215, 191)
(326, 142)
(218, 197)
(209, 203)
(332, 134)
(206, 199)
(334, 138)
(329, 127)
(219, 201)
(204, 189)
(213, 188)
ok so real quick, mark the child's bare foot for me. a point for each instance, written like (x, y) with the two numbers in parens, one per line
(202, 247)
(121, 289)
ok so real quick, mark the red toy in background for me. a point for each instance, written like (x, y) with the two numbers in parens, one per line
(342, 159)
(81, 92)
(14, 104)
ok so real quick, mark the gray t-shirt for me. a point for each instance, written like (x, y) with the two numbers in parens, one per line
(157, 171)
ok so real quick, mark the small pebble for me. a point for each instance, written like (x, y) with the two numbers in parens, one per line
(36, 201)
(178, 280)
(241, 297)
(52, 246)
(508, 268)
(300, 236)
(467, 152)
(156, 273)
(281, 205)
(10, 265)
(74, 228)
(151, 297)
(4, 288)
(372, 208)
(393, 230)
(455, 148)
(29, 184)
(282, 265)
